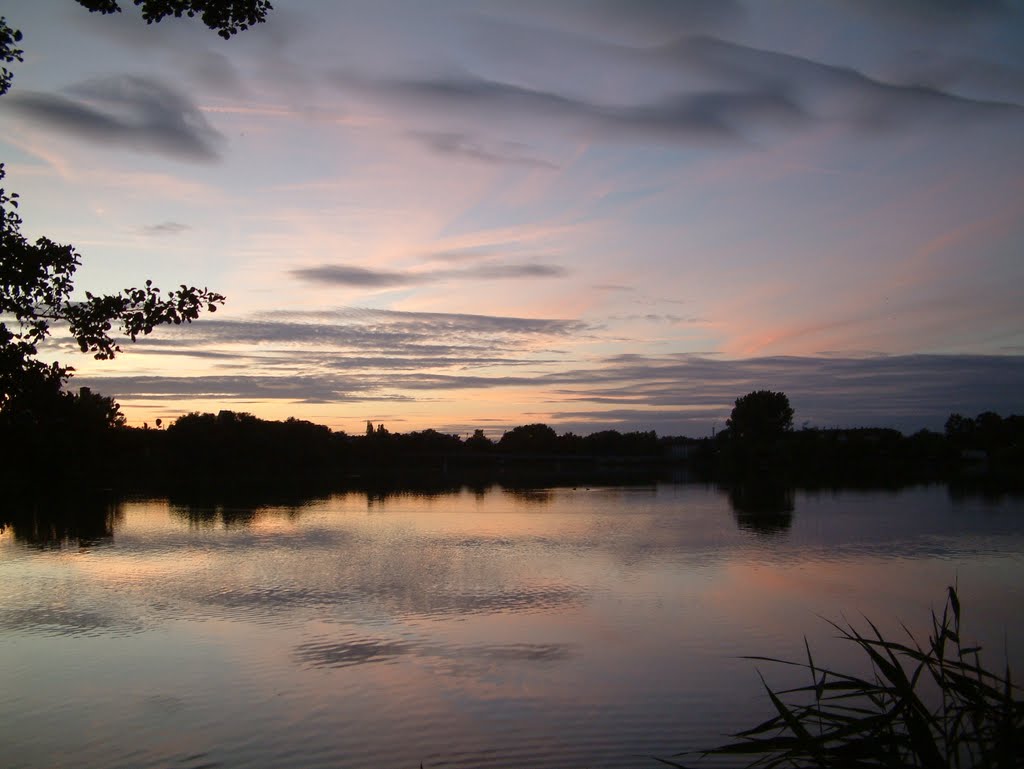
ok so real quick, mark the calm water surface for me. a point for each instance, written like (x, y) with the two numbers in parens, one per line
(549, 628)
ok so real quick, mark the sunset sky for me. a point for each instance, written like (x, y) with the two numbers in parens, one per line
(591, 213)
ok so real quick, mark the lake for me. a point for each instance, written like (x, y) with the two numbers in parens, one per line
(555, 627)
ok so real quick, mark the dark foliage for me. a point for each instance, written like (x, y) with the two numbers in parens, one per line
(989, 434)
(231, 443)
(225, 17)
(529, 439)
(479, 443)
(760, 417)
(37, 296)
(36, 290)
(9, 53)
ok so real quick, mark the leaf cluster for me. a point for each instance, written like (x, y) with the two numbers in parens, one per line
(226, 17)
(8, 53)
(36, 285)
(37, 278)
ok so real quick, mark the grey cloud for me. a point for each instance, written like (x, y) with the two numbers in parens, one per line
(905, 392)
(464, 146)
(290, 387)
(351, 338)
(442, 382)
(737, 92)
(639, 21)
(413, 359)
(503, 271)
(165, 228)
(214, 69)
(138, 111)
(488, 253)
(357, 339)
(944, 71)
(671, 392)
(348, 275)
(457, 255)
(435, 322)
(355, 354)
(824, 91)
(943, 12)
(157, 348)
(711, 64)
(652, 317)
(712, 115)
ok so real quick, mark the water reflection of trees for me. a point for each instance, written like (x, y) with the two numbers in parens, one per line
(235, 508)
(381, 490)
(759, 505)
(232, 507)
(83, 521)
(762, 505)
(536, 497)
(215, 516)
(985, 490)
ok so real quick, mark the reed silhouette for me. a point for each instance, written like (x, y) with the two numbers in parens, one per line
(930, 705)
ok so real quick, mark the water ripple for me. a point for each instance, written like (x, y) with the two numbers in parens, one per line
(51, 620)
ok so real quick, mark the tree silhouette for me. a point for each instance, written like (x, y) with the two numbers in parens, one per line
(761, 416)
(529, 439)
(226, 17)
(479, 442)
(37, 279)
(36, 285)
(8, 53)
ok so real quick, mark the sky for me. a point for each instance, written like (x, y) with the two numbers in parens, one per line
(597, 214)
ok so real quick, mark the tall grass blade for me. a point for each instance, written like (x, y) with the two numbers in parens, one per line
(973, 719)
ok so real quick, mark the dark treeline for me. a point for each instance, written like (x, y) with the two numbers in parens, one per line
(86, 445)
(224, 469)
(986, 450)
(229, 445)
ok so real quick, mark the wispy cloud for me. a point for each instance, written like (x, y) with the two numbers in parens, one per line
(213, 68)
(709, 115)
(366, 333)
(728, 92)
(824, 91)
(903, 391)
(947, 12)
(844, 176)
(141, 112)
(350, 275)
(165, 228)
(414, 357)
(461, 145)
